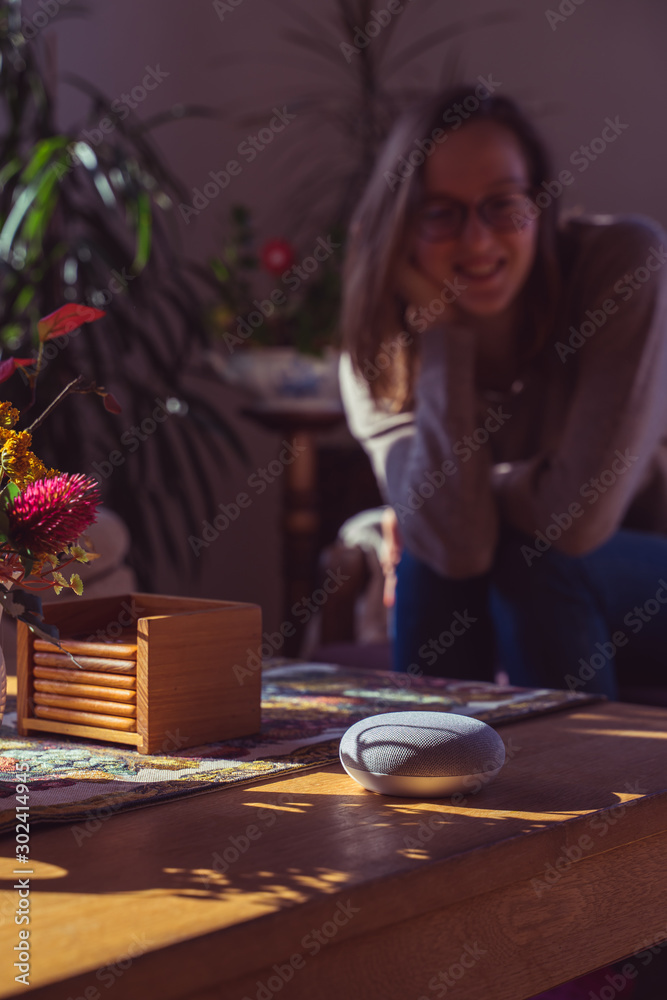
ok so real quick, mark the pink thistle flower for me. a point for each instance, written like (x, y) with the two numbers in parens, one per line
(50, 514)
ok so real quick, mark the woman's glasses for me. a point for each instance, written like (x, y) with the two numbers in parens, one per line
(444, 218)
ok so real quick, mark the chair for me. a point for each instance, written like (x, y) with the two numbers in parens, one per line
(353, 626)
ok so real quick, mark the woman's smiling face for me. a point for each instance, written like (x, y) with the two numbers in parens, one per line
(487, 266)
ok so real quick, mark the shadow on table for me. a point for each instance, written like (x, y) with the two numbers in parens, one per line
(244, 839)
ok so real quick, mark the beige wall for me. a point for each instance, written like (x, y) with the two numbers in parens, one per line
(603, 60)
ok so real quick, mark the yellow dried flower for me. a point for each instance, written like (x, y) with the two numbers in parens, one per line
(17, 462)
(8, 415)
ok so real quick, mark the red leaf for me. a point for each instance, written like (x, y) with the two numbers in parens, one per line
(111, 403)
(8, 367)
(67, 318)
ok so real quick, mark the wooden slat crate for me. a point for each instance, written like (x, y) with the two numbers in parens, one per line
(152, 671)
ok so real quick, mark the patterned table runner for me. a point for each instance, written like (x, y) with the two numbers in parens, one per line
(306, 708)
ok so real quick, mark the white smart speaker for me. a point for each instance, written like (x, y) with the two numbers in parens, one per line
(421, 754)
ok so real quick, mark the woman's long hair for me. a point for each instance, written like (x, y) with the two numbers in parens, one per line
(373, 315)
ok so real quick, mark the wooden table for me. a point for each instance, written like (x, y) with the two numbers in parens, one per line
(556, 868)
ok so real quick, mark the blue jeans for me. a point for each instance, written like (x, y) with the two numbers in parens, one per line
(547, 619)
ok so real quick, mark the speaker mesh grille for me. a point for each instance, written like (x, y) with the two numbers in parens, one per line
(422, 744)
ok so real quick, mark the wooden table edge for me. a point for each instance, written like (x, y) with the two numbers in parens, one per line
(551, 841)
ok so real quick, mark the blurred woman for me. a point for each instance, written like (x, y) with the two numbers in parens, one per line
(507, 376)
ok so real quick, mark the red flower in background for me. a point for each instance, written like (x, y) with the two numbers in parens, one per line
(50, 514)
(276, 255)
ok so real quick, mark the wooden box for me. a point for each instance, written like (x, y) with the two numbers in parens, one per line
(183, 690)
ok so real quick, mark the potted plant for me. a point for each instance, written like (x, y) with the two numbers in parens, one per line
(91, 222)
(274, 314)
(360, 67)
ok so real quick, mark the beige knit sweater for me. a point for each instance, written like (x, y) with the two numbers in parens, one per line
(577, 449)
